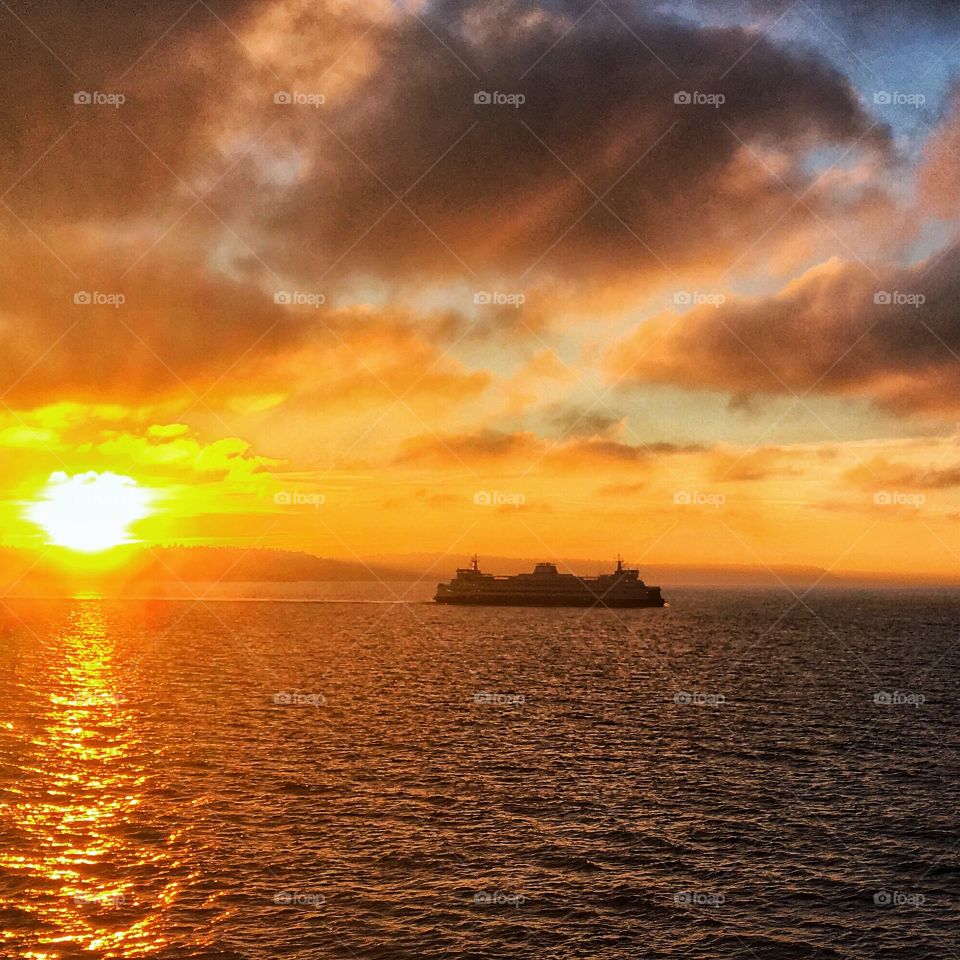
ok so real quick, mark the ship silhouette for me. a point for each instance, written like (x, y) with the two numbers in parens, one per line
(547, 587)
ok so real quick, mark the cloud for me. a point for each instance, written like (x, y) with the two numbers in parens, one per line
(400, 174)
(525, 450)
(733, 465)
(362, 358)
(842, 329)
(167, 430)
(875, 13)
(157, 332)
(488, 445)
(179, 332)
(939, 173)
(200, 197)
(881, 471)
(571, 421)
(96, 437)
(497, 189)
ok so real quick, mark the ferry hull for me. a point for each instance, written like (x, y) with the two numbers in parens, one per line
(612, 602)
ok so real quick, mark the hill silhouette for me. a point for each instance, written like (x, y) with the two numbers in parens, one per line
(50, 572)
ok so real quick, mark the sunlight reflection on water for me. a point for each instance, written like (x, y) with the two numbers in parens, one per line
(251, 781)
(69, 814)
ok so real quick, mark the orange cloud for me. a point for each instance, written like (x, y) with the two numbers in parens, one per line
(889, 335)
(939, 174)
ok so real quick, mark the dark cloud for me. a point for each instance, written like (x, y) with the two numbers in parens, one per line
(939, 174)
(521, 179)
(584, 422)
(220, 196)
(902, 476)
(862, 14)
(483, 446)
(493, 447)
(841, 329)
(82, 161)
(313, 191)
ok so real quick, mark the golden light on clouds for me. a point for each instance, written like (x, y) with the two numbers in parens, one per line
(89, 512)
(634, 305)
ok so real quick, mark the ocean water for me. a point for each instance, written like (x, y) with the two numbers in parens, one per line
(738, 775)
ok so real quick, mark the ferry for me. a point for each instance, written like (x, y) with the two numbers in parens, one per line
(547, 587)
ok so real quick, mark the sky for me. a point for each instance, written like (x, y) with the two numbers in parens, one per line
(523, 278)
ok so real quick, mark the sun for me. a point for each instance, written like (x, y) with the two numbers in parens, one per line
(89, 512)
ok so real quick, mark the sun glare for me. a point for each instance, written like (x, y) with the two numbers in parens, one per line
(90, 511)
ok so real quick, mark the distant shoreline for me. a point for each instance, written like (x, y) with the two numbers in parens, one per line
(136, 569)
(420, 592)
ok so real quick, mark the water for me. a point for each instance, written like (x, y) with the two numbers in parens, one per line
(398, 780)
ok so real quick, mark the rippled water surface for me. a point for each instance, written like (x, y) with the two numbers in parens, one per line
(739, 775)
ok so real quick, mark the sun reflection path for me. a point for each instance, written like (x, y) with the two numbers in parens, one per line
(84, 879)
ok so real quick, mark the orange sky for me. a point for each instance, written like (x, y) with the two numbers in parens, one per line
(405, 319)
